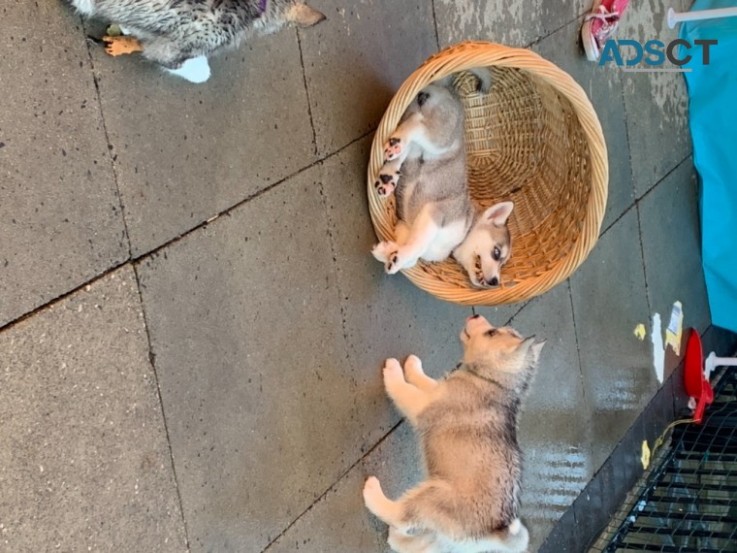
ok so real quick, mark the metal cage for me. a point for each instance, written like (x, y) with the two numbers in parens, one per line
(687, 503)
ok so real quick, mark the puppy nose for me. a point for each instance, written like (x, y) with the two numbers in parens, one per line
(493, 281)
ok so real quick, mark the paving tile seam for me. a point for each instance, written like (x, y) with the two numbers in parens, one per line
(627, 137)
(525, 304)
(636, 202)
(152, 361)
(110, 147)
(575, 336)
(546, 35)
(642, 256)
(334, 484)
(336, 267)
(435, 26)
(307, 93)
(61, 297)
(667, 174)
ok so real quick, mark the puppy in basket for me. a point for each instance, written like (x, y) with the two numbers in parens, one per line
(180, 35)
(425, 167)
(467, 426)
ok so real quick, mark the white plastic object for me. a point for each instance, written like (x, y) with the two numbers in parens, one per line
(675, 17)
(712, 362)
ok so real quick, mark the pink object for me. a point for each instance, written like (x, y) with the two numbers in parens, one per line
(694, 380)
(600, 25)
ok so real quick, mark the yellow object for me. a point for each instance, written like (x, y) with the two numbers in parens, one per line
(645, 457)
(640, 332)
(534, 139)
(121, 45)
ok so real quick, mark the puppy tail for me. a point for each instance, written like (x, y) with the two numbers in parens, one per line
(513, 539)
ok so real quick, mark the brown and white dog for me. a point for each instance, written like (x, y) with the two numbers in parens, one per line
(467, 426)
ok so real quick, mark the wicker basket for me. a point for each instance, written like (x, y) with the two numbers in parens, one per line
(533, 139)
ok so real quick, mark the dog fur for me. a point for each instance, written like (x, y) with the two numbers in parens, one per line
(173, 32)
(467, 426)
(425, 167)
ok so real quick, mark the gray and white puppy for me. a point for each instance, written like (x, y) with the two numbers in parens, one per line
(467, 427)
(425, 166)
(182, 34)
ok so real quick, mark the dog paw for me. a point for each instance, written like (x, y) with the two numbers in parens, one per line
(393, 148)
(386, 184)
(392, 371)
(392, 266)
(372, 489)
(413, 365)
(121, 45)
(382, 250)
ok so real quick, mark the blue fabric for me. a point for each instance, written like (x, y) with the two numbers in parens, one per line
(712, 91)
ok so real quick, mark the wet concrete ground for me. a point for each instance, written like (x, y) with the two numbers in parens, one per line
(174, 382)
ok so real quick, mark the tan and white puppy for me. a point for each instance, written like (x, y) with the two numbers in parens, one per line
(425, 167)
(467, 426)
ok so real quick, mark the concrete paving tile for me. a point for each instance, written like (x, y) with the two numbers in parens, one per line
(604, 89)
(554, 432)
(514, 23)
(186, 152)
(339, 521)
(356, 59)
(84, 462)
(60, 217)
(656, 103)
(671, 241)
(245, 324)
(609, 300)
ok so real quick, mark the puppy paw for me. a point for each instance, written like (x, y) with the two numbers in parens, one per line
(372, 490)
(392, 371)
(382, 250)
(413, 365)
(393, 263)
(393, 148)
(386, 184)
(121, 45)
(401, 258)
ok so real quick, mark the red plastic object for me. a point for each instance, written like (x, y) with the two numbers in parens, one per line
(697, 386)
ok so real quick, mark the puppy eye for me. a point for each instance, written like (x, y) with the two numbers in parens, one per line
(491, 332)
(497, 254)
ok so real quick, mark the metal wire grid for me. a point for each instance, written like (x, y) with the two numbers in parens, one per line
(687, 503)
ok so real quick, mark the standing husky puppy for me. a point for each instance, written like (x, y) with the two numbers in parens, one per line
(436, 216)
(172, 33)
(467, 426)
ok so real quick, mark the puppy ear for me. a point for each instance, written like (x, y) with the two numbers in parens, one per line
(304, 16)
(535, 352)
(531, 349)
(499, 213)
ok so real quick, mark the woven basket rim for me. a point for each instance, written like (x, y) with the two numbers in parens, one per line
(464, 56)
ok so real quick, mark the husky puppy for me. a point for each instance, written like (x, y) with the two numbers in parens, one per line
(425, 166)
(181, 34)
(467, 426)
